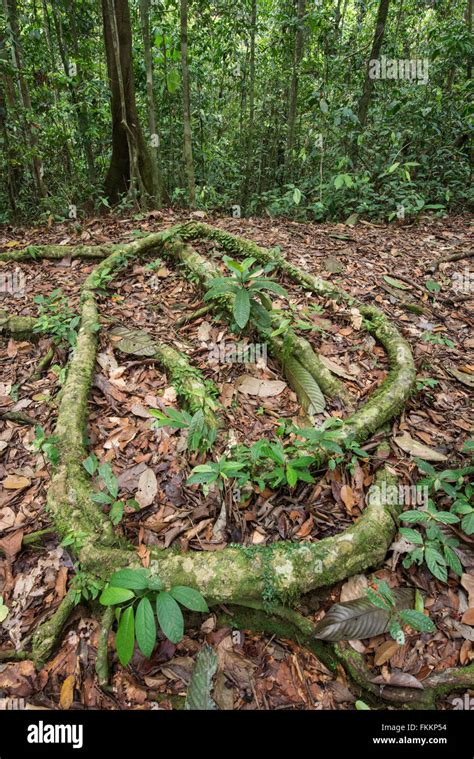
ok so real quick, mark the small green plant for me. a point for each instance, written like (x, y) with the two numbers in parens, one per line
(424, 382)
(200, 436)
(85, 586)
(276, 465)
(46, 445)
(382, 597)
(60, 372)
(218, 472)
(108, 496)
(56, 318)
(247, 287)
(139, 596)
(436, 339)
(433, 545)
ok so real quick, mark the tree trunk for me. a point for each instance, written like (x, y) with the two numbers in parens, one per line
(130, 166)
(160, 193)
(292, 105)
(188, 148)
(374, 54)
(251, 118)
(11, 14)
(73, 74)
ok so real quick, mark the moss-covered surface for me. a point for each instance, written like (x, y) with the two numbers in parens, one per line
(268, 575)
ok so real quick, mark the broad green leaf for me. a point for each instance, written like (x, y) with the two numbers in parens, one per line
(362, 706)
(133, 579)
(125, 638)
(305, 386)
(296, 196)
(189, 598)
(112, 595)
(90, 464)
(417, 620)
(199, 692)
(241, 308)
(170, 617)
(396, 283)
(436, 563)
(145, 627)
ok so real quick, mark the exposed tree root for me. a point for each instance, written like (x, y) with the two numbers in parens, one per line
(287, 623)
(252, 576)
(459, 256)
(43, 364)
(47, 634)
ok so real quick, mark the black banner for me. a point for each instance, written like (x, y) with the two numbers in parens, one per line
(26, 733)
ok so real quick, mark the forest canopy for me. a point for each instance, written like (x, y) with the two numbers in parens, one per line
(315, 109)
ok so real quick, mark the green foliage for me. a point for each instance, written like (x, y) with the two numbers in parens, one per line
(46, 445)
(383, 598)
(218, 472)
(452, 489)
(247, 287)
(200, 435)
(56, 318)
(139, 597)
(85, 587)
(398, 165)
(437, 339)
(108, 496)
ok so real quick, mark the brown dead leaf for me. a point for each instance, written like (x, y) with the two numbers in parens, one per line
(411, 446)
(306, 527)
(468, 617)
(385, 652)
(18, 679)
(348, 497)
(11, 544)
(261, 388)
(467, 581)
(16, 482)
(147, 488)
(354, 587)
(66, 698)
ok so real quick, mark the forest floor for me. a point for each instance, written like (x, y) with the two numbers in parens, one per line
(385, 264)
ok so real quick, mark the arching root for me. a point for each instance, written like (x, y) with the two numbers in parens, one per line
(269, 574)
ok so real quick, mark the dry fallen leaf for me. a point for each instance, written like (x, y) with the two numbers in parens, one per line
(411, 446)
(468, 617)
(147, 488)
(467, 581)
(385, 652)
(67, 692)
(16, 482)
(348, 497)
(261, 388)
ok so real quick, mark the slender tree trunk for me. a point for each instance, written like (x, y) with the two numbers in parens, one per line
(251, 117)
(160, 193)
(188, 149)
(13, 177)
(293, 97)
(130, 166)
(468, 17)
(11, 14)
(73, 74)
(364, 101)
(82, 111)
